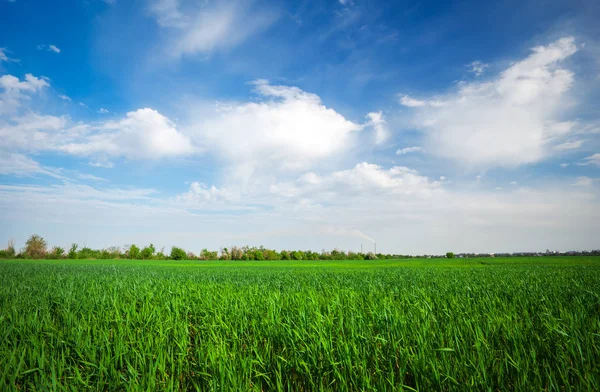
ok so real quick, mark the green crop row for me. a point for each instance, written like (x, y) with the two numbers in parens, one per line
(237, 327)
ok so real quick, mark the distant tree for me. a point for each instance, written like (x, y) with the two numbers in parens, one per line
(58, 252)
(178, 253)
(297, 255)
(450, 255)
(148, 252)
(134, 252)
(225, 255)
(258, 255)
(10, 249)
(35, 247)
(72, 252)
(236, 253)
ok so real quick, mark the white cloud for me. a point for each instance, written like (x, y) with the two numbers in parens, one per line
(84, 176)
(408, 150)
(287, 129)
(570, 145)
(510, 120)
(30, 84)
(584, 181)
(14, 91)
(64, 98)
(4, 57)
(102, 110)
(20, 165)
(143, 134)
(477, 67)
(405, 100)
(364, 178)
(380, 126)
(49, 48)
(591, 160)
(209, 27)
(102, 162)
(564, 164)
(399, 208)
(83, 105)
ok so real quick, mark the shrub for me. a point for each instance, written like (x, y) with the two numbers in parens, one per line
(177, 253)
(35, 247)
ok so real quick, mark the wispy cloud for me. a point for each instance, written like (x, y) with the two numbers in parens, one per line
(211, 27)
(408, 150)
(477, 67)
(49, 48)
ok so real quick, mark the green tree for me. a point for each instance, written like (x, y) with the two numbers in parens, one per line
(134, 252)
(35, 247)
(148, 252)
(450, 255)
(57, 252)
(72, 251)
(178, 253)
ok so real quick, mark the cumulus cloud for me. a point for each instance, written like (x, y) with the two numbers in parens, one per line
(14, 91)
(143, 134)
(209, 27)
(408, 150)
(364, 178)
(102, 110)
(509, 120)
(286, 129)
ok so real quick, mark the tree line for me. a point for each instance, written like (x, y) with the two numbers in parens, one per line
(36, 247)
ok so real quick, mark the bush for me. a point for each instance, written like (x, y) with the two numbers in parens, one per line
(35, 247)
(450, 255)
(177, 253)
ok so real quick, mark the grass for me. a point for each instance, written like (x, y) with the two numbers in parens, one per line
(413, 324)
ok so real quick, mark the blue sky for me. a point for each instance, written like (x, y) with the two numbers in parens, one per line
(424, 126)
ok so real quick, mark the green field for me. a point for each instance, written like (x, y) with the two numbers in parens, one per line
(413, 324)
